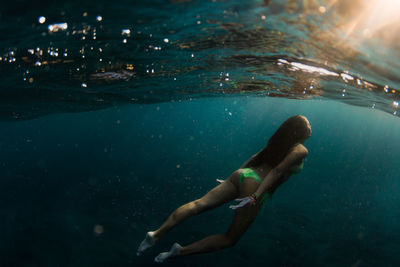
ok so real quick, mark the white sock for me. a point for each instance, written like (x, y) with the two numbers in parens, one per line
(148, 242)
(165, 255)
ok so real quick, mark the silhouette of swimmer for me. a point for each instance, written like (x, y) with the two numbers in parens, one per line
(255, 181)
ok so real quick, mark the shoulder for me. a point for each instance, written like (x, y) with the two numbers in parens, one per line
(299, 150)
(294, 157)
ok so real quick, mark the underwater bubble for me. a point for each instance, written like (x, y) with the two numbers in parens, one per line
(386, 88)
(58, 27)
(42, 19)
(126, 32)
(98, 229)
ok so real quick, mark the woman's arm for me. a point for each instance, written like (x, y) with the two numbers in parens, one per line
(275, 176)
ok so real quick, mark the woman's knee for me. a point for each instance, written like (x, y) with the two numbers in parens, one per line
(230, 241)
(198, 206)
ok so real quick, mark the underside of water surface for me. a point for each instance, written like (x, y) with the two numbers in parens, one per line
(80, 56)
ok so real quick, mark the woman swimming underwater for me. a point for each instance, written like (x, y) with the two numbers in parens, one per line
(255, 181)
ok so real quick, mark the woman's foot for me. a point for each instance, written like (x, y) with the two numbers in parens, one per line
(172, 252)
(148, 242)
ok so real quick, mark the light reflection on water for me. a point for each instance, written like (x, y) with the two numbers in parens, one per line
(178, 50)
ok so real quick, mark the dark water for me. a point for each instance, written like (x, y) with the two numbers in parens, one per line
(108, 125)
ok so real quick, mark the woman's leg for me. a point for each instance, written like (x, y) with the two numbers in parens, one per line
(219, 195)
(241, 222)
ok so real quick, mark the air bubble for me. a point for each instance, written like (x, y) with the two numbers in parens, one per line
(42, 19)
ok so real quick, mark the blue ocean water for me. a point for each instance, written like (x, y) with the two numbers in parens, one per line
(133, 109)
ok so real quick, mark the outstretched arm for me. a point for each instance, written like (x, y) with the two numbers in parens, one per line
(275, 176)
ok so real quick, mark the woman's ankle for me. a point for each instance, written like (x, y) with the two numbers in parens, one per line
(156, 235)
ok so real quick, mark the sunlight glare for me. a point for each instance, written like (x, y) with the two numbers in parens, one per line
(374, 16)
(381, 13)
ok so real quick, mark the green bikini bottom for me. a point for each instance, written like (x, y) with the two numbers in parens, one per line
(249, 173)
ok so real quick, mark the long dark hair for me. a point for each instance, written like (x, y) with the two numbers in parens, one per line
(292, 131)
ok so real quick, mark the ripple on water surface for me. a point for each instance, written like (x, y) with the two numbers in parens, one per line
(78, 57)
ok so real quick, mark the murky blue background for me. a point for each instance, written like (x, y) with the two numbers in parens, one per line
(117, 144)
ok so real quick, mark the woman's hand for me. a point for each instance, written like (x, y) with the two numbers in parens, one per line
(243, 202)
